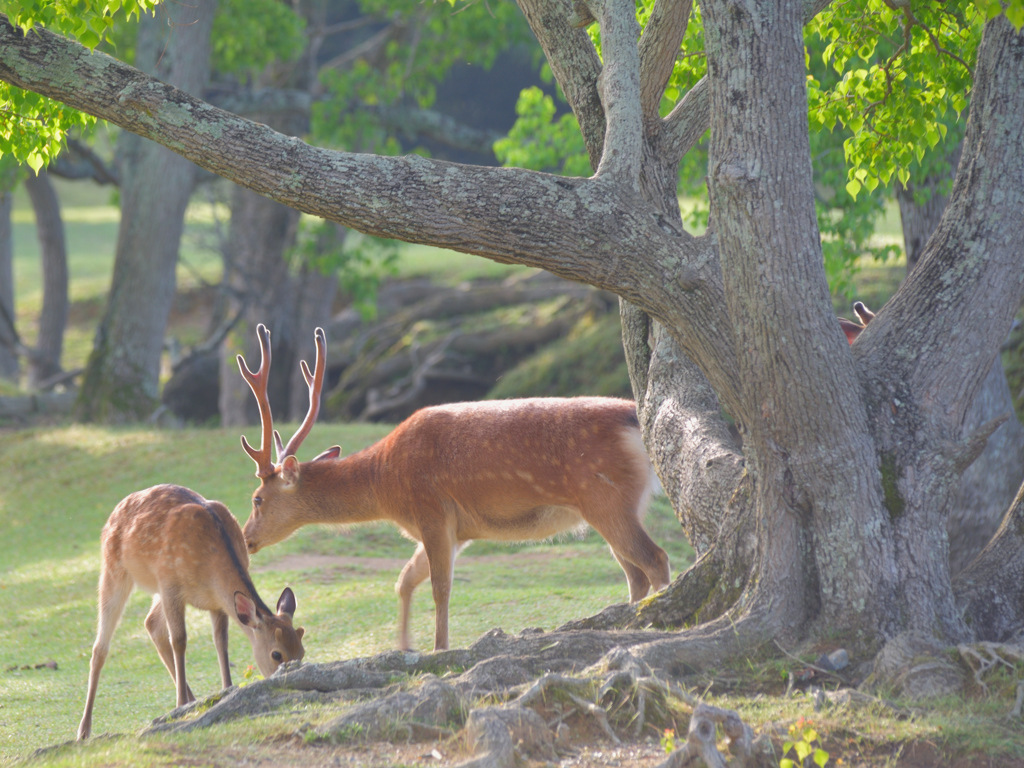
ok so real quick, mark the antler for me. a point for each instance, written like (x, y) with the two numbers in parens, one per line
(315, 382)
(258, 384)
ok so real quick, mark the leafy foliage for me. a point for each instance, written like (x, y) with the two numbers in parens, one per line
(801, 741)
(888, 83)
(32, 128)
(248, 35)
(542, 142)
(416, 45)
(904, 76)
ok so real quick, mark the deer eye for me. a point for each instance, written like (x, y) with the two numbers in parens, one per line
(256, 501)
(276, 656)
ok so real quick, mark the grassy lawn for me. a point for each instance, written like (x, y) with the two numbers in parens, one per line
(60, 484)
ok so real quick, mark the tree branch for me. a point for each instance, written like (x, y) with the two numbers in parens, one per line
(659, 45)
(619, 87)
(688, 121)
(575, 65)
(505, 214)
(412, 122)
(80, 162)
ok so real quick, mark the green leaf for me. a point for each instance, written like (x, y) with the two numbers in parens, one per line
(803, 749)
(787, 763)
(1015, 13)
(853, 187)
(820, 757)
(35, 161)
(89, 39)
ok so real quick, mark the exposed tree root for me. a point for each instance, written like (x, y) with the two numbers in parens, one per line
(701, 738)
(589, 675)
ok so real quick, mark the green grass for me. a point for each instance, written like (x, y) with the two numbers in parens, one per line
(60, 485)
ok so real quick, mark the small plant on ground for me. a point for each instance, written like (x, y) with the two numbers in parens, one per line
(668, 741)
(802, 737)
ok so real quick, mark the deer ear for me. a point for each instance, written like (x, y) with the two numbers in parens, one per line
(245, 610)
(331, 453)
(300, 632)
(286, 602)
(862, 312)
(290, 470)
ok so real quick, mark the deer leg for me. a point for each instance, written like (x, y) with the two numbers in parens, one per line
(220, 642)
(413, 574)
(174, 615)
(441, 552)
(156, 626)
(631, 544)
(115, 587)
(638, 582)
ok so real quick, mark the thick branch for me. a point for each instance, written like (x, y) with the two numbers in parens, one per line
(659, 45)
(509, 215)
(575, 65)
(619, 86)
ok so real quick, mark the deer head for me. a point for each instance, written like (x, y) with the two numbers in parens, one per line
(277, 505)
(274, 640)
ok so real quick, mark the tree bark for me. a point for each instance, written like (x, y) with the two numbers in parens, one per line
(9, 368)
(122, 376)
(991, 482)
(989, 485)
(53, 251)
(922, 366)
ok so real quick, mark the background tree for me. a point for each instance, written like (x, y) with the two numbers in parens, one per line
(850, 455)
(9, 367)
(121, 378)
(45, 362)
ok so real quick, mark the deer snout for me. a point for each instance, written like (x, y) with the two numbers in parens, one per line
(252, 546)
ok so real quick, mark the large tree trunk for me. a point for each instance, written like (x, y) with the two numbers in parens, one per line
(8, 336)
(122, 377)
(990, 484)
(53, 253)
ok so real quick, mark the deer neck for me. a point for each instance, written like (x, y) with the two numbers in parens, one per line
(343, 490)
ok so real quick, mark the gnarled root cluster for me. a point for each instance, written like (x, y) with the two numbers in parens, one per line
(521, 697)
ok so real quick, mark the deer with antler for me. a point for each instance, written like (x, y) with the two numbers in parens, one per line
(186, 550)
(510, 470)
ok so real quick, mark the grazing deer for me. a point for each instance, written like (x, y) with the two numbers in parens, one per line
(852, 329)
(174, 543)
(509, 470)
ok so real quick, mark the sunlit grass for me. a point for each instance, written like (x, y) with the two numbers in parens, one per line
(60, 485)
